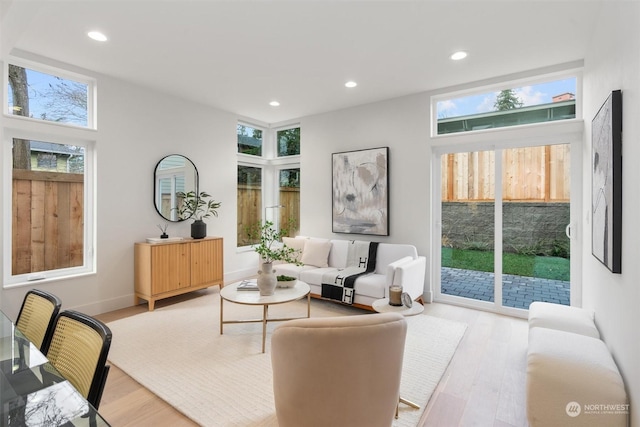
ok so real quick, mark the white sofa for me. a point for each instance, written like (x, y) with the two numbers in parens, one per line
(572, 379)
(396, 264)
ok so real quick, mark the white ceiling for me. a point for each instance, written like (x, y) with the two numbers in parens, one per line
(240, 55)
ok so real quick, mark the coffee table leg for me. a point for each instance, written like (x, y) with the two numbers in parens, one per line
(221, 322)
(264, 324)
(309, 304)
(409, 403)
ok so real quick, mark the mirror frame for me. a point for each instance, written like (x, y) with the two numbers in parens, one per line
(196, 179)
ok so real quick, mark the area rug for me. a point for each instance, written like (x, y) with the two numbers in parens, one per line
(177, 352)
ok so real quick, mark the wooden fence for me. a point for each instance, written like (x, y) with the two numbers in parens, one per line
(250, 209)
(529, 174)
(48, 228)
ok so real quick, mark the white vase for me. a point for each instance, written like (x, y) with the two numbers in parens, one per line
(267, 279)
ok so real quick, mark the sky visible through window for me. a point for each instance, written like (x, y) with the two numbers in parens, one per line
(42, 96)
(537, 94)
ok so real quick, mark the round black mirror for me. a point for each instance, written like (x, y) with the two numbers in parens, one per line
(174, 174)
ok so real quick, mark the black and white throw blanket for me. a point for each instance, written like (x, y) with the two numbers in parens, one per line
(361, 259)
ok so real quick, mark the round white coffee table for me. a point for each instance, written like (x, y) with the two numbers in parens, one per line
(382, 306)
(281, 295)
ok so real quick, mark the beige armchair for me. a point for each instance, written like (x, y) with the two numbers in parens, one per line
(338, 371)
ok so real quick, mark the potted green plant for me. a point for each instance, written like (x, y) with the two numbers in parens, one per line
(285, 281)
(267, 243)
(197, 207)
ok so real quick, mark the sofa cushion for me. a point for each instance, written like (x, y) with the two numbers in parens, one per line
(562, 318)
(371, 285)
(292, 269)
(313, 276)
(338, 254)
(564, 369)
(296, 244)
(316, 253)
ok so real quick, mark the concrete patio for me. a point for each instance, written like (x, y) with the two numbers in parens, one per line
(517, 291)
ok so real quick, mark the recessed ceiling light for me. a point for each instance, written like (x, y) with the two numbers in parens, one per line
(97, 36)
(459, 55)
(351, 84)
(274, 103)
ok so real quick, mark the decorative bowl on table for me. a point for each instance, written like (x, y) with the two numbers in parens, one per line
(286, 281)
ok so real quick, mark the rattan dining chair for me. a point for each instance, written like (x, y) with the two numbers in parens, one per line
(37, 315)
(78, 350)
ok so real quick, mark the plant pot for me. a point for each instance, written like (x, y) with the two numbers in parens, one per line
(286, 283)
(199, 229)
(267, 279)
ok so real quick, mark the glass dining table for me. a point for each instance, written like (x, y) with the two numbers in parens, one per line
(32, 392)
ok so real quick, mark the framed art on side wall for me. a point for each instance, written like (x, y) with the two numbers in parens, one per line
(361, 191)
(606, 183)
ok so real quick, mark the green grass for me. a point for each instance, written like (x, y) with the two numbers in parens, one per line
(545, 267)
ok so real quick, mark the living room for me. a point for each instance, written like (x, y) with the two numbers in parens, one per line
(137, 126)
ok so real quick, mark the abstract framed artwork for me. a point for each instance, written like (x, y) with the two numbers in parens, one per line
(606, 183)
(361, 191)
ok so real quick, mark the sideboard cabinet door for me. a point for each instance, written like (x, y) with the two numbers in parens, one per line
(206, 262)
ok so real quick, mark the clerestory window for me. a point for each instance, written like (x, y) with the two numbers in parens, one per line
(52, 96)
(510, 105)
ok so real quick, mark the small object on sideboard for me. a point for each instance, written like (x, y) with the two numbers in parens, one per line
(164, 234)
(164, 239)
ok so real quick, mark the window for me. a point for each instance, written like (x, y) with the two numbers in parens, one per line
(47, 161)
(249, 201)
(249, 140)
(268, 179)
(511, 106)
(49, 185)
(289, 194)
(50, 231)
(513, 186)
(288, 142)
(57, 97)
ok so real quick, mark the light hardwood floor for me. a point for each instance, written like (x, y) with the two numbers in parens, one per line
(484, 384)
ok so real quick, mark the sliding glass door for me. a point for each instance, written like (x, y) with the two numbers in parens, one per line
(504, 218)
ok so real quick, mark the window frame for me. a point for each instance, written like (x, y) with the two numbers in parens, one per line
(57, 72)
(89, 229)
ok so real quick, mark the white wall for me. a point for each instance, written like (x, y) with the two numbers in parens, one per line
(401, 124)
(613, 62)
(136, 128)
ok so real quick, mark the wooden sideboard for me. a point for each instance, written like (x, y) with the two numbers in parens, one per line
(164, 270)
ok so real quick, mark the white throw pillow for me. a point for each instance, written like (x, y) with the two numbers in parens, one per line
(295, 244)
(316, 253)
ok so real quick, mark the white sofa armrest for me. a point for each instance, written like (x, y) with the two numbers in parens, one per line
(410, 275)
(391, 271)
